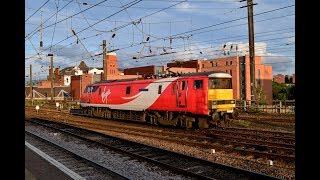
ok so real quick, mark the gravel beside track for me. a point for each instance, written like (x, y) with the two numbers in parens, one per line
(278, 169)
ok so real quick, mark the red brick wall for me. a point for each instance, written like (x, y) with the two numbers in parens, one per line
(279, 78)
(231, 66)
(144, 71)
(265, 80)
(75, 87)
(78, 84)
(112, 64)
(293, 78)
(183, 70)
(185, 64)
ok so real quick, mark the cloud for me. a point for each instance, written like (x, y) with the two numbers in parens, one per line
(185, 7)
(280, 64)
(68, 52)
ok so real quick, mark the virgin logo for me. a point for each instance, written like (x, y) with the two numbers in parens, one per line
(105, 94)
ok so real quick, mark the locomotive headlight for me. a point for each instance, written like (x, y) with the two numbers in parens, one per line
(232, 102)
(214, 102)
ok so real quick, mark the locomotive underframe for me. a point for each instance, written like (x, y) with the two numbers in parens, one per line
(179, 119)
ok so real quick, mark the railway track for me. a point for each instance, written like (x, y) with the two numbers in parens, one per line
(259, 135)
(266, 144)
(245, 146)
(76, 166)
(187, 165)
(264, 132)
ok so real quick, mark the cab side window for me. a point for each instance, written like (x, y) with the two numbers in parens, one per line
(198, 84)
(128, 89)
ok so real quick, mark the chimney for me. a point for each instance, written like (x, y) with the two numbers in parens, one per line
(56, 71)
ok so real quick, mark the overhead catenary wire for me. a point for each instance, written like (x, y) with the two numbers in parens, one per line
(184, 44)
(180, 51)
(163, 39)
(233, 20)
(243, 38)
(74, 33)
(54, 29)
(120, 26)
(128, 5)
(37, 29)
(36, 11)
(70, 16)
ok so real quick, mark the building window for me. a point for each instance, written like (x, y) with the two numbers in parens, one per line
(202, 65)
(128, 90)
(211, 64)
(230, 63)
(226, 63)
(159, 89)
(230, 72)
(216, 63)
(67, 80)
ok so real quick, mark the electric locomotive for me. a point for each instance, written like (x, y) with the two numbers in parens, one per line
(190, 100)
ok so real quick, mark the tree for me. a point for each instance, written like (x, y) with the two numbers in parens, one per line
(261, 97)
(283, 91)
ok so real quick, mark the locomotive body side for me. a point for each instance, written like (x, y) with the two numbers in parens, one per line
(131, 95)
(187, 101)
(182, 96)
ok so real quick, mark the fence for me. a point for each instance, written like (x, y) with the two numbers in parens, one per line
(65, 103)
(277, 106)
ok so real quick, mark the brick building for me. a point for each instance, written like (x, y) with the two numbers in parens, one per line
(239, 68)
(112, 64)
(293, 78)
(78, 84)
(145, 71)
(287, 79)
(279, 78)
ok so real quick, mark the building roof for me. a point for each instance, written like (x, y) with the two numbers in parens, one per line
(67, 71)
(71, 71)
(82, 66)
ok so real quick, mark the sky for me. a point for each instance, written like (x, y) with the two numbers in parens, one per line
(155, 32)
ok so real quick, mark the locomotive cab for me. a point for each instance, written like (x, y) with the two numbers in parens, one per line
(221, 103)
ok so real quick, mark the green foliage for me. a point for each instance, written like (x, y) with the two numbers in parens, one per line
(261, 97)
(283, 91)
(244, 123)
(254, 109)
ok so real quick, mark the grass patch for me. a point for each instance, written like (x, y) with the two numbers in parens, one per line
(243, 123)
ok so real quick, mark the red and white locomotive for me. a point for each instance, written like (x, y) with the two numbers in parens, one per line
(190, 100)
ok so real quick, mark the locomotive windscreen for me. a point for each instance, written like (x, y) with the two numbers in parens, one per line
(220, 83)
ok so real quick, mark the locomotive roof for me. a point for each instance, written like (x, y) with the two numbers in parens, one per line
(117, 80)
(182, 75)
(203, 73)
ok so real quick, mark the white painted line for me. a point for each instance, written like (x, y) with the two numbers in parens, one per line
(60, 166)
